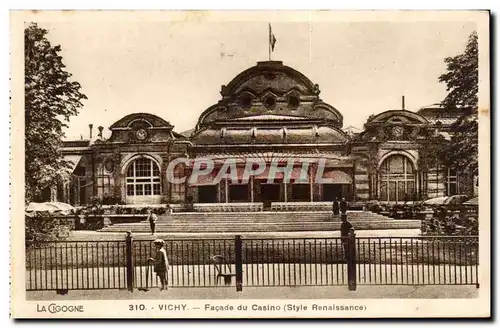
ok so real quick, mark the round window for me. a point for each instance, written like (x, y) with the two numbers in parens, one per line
(270, 102)
(246, 101)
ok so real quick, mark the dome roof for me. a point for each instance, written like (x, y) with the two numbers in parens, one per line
(146, 119)
(273, 89)
(270, 135)
(273, 75)
(397, 116)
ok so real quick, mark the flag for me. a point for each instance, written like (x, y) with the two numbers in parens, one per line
(272, 38)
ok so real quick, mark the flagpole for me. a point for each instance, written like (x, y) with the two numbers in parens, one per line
(269, 43)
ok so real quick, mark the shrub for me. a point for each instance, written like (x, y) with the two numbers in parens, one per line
(42, 228)
(445, 222)
(374, 206)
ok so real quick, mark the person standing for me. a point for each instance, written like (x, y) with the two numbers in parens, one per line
(152, 218)
(343, 206)
(335, 206)
(161, 265)
(345, 229)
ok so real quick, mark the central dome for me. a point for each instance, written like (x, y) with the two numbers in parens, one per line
(270, 75)
(270, 89)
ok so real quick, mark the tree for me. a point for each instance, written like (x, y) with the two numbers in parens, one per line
(461, 81)
(50, 100)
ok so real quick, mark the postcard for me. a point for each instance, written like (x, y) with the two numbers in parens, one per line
(250, 164)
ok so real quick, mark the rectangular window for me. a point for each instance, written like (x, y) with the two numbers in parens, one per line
(139, 190)
(402, 195)
(410, 190)
(452, 189)
(156, 189)
(392, 190)
(451, 182)
(147, 189)
(130, 190)
(383, 191)
(103, 185)
(178, 189)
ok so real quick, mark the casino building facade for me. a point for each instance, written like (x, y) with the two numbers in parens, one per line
(271, 113)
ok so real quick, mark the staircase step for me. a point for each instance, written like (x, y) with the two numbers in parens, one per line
(263, 222)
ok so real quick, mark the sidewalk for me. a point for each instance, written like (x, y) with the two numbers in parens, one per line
(95, 235)
(302, 292)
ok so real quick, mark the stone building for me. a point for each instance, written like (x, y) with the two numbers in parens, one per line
(129, 166)
(272, 113)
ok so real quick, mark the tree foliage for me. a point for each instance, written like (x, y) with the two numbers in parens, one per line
(50, 100)
(433, 153)
(43, 228)
(461, 81)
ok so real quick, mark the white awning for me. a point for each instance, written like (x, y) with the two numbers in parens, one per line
(74, 160)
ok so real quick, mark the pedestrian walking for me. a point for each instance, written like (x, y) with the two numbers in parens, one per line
(152, 218)
(343, 206)
(345, 229)
(161, 265)
(335, 207)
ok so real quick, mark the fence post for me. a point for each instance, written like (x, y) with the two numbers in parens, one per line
(351, 260)
(129, 261)
(239, 263)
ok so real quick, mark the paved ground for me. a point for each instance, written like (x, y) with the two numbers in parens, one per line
(303, 292)
(94, 235)
(272, 274)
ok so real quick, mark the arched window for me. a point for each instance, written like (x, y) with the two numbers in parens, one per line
(143, 178)
(397, 179)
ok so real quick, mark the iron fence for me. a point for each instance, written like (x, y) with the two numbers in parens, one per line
(293, 262)
(65, 265)
(451, 260)
(261, 262)
(190, 262)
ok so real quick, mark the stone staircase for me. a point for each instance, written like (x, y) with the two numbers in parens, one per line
(262, 222)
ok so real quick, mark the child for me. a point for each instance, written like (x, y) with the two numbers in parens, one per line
(161, 263)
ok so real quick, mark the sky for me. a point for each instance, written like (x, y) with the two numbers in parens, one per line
(175, 69)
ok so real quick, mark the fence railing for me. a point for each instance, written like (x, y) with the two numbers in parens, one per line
(417, 261)
(262, 262)
(76, 265)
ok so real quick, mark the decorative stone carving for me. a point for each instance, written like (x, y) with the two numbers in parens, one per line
(398, 132)
(109, 164)
(316, 90)
(141, 134)
(382, 134)
(414, 133)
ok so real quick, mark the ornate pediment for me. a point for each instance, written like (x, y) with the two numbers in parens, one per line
(141, 128)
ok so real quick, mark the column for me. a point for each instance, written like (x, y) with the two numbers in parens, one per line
(251, 190)
(353, 196)
(311, 180)
(53, 193)
(285, 191)
(227, 190)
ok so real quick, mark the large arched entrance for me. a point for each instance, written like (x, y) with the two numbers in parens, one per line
(397, 179)
(143, 182)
